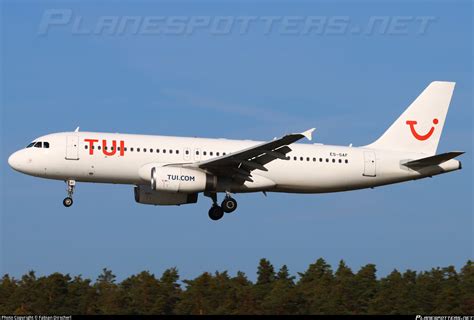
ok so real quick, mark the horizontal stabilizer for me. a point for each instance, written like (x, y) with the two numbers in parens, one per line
(433, 160)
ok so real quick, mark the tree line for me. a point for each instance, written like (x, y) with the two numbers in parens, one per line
(318, 290)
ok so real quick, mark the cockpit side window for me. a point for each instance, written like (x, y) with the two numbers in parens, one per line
(31, 144)
(39, 144)
(45, 144)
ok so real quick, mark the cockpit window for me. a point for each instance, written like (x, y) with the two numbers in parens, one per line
(31, 144)
(39, 144)
(45, 144)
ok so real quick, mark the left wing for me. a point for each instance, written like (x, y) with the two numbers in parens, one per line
(240, 164)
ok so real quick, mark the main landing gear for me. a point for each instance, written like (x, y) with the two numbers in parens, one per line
(67, 202)
(228, 205)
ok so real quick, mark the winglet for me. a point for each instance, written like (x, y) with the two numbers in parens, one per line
(309, 134)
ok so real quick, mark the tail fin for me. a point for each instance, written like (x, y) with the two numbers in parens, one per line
(419, 128)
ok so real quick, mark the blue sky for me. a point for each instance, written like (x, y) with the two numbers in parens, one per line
(250, 85)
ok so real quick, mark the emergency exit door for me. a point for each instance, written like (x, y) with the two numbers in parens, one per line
(72, 148)
(369, 164)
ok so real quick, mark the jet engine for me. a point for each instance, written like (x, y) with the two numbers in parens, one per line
(182, 180)
(145, 195)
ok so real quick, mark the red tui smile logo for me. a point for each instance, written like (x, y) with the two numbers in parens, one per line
(418, 136)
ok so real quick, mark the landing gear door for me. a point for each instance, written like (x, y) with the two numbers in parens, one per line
(72, 148)
(369, 164)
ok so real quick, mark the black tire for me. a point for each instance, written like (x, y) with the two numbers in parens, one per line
(67, 202)
(229, 205)
(216, 213)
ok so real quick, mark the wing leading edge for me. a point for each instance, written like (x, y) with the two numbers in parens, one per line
(240, 164)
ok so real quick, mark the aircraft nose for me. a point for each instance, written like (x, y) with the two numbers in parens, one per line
(14, 161)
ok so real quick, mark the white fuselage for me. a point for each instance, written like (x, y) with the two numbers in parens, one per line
(310, 168)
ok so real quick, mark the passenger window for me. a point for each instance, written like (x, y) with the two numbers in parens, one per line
(340, 161)
(223, 153)
(86, 147)
(327, 160)
(204, 152)
(314, 159)
(177, 151)
(217, 153)
(347, 161)
(307, 158)
(333, 160)
(138, 149)
(151, 150)
(131, 149)
(187, 151)
(320, 159)
(39, 144)
(211, 153)
(98, 147)
(171, 151)
(144, 149)
(157, 150)
(301, 158)
(125, 149)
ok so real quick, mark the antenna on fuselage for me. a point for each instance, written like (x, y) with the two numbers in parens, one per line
(77, 129)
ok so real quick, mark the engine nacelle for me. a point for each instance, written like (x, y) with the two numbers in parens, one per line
(184, 180)
(144, 194)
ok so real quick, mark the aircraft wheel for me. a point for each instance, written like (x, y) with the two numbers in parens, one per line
(216, 212)
(67, 202)
(229, 205)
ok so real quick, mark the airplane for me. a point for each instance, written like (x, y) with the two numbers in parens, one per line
(175, 170)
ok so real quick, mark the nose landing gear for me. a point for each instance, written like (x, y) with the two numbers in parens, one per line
(228, 205)
(67, 202)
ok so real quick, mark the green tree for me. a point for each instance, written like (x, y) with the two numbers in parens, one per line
(110, 299)
(264, 284)
(283, 298)
(466, 278)
(82, 297)
(393, 296)
(140, 292)
(314, 287)
(51, 294)
(25, 297)
(365, 288)
(342, 295)
(197, 298)
(8, 287)
(242, 298)
(169, 293)
(449, 297)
